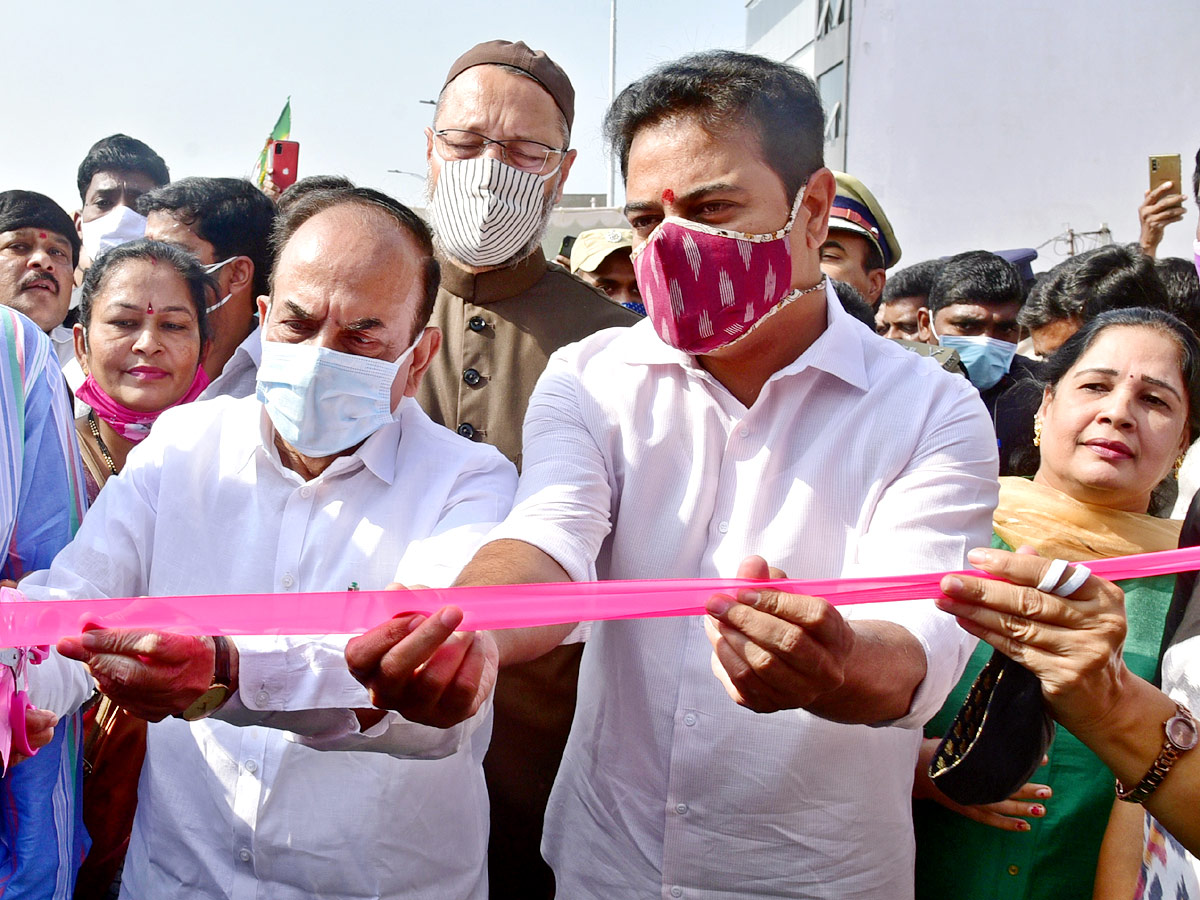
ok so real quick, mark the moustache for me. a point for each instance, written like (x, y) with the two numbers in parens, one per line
(34, 279)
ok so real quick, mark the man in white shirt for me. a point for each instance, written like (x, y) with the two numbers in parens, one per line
(331, 478)
(747, 415)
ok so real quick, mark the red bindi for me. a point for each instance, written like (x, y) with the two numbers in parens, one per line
(41, 234)
(149, 309)
(668, 196)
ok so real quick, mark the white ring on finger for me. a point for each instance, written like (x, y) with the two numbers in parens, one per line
(1075, 582)
(1050, 579)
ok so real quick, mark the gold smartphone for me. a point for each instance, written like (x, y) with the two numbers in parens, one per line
(1165, 168)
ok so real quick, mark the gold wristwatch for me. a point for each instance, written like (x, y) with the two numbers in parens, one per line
(1181, 736)
(218, 692)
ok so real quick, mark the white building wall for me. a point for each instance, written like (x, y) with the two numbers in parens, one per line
(996, 125)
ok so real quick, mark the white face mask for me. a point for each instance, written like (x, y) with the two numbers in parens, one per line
(212, 270)
(485, 211)
(120, 225)
(322, 401)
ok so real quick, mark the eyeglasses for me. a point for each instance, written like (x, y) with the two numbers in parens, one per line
(528, 156)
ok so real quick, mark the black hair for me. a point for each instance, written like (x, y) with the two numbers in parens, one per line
(1061, 361)
(1117, 276)
(914, 281)
(120, 153)
(976, 276)
(201, 286)
(307, 185)
(1182, 284)
(229, 213)
(314, 202)
(722, 90)
(1196, 178)
(854, 303)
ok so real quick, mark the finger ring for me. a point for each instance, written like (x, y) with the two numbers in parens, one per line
(1050, 579)
(1075, 582)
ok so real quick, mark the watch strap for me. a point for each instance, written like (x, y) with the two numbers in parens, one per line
(1158, 770)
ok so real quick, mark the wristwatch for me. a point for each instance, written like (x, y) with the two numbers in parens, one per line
(218, 692)
(1182, 736)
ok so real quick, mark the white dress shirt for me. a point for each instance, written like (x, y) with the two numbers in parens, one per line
(239, 377)
(858, 458)
(205, 506)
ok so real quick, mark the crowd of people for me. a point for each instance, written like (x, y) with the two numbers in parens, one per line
(319, 390)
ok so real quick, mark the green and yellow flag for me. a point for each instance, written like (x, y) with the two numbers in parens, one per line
(281, 132)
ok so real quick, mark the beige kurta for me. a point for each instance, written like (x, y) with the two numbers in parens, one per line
(498, 331)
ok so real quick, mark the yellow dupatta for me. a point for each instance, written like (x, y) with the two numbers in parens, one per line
(1058, 526)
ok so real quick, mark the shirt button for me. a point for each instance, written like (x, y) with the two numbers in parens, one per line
(689, 719)
(261, 697)
(244, 855)
(472, 377)
(306, 492)
(723, 527)
(682, 809)
(1013, 870)
(251, 766)
(287, 580)
(476, 323)
(466, 429)
(677, 891)
(744, 431)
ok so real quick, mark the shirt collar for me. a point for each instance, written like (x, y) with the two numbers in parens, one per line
(840, 350)
(494, 284)
(377, 453)
(252, 346)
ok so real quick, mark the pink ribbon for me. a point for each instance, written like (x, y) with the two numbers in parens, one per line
(24, 622)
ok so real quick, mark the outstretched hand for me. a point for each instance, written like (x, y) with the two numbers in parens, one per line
(425, 670)
(1073, 645)
(773, 650)
(152, 674)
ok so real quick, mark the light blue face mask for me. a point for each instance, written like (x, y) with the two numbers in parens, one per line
(323, 402)
(987, 359)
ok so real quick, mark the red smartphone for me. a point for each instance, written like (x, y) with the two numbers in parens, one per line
(283, 159)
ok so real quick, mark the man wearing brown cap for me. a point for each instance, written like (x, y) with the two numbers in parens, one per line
(498, 156)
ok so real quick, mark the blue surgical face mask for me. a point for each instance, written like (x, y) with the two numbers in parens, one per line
(323, 402)
(987, 359)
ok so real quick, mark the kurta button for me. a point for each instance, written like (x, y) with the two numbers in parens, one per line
(1013, 870)
(466, 429)
(472, 377)
(723, 528)
(682, 809)
(251, 766)
(244, 855)
(287, 580)
(476, 323)
(677, 891)
(689, 719)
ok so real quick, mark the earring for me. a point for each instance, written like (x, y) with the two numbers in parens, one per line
(1178, 465)
(1037, 431)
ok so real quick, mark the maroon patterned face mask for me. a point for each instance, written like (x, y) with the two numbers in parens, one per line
(705, 287)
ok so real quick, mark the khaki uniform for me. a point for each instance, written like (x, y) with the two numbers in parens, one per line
(498, 331)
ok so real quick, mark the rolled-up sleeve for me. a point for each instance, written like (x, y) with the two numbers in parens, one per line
(565, 492)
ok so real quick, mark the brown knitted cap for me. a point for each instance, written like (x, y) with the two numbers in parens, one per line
(544, 70)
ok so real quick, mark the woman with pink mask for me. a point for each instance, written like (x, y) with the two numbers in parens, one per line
(140, 340)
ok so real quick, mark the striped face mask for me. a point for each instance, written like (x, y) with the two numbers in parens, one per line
(485, 212)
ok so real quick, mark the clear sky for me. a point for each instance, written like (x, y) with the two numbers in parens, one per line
(202, 83)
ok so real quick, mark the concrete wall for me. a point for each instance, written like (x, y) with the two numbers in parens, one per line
(997, 125)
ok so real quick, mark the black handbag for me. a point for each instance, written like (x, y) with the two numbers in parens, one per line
(998, 737)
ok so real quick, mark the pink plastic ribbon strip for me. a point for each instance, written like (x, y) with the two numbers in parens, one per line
(24, 622)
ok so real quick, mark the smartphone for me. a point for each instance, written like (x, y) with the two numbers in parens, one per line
(1165, 168)
(285, 155)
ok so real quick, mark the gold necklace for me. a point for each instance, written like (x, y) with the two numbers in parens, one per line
(99, 440)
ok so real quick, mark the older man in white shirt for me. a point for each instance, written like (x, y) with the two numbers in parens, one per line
(747, 415)
(332, 476)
